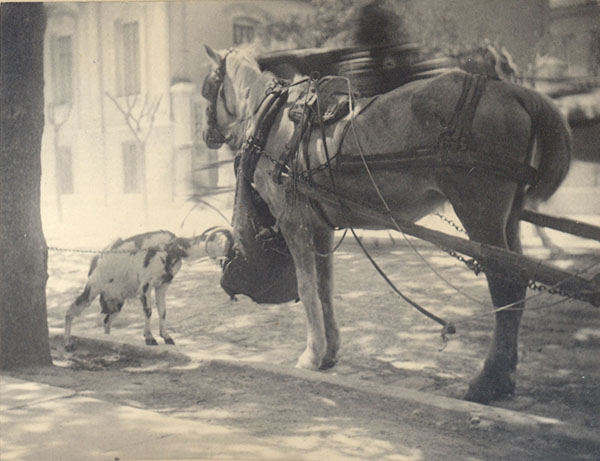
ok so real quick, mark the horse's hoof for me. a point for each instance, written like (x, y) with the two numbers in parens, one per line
(151, 342)
(306, 361)
(484, 389)
(326, 364)
(169, 341)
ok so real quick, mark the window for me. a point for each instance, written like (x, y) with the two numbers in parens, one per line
(132, 168)
(63, 69)
(64, 170)
(128, 58)
(242, 33)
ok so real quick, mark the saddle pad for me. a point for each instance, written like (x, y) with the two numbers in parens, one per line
(333, 101)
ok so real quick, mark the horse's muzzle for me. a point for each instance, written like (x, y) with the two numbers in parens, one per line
(213, 140)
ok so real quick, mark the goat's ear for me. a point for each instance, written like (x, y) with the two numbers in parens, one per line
(213, 55)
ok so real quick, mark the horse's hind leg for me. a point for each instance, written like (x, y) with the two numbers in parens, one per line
(497, 379)
(486, 223)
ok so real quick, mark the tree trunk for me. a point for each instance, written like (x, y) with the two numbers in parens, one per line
(23, 252)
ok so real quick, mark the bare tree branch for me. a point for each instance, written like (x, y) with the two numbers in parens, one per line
(146, 114)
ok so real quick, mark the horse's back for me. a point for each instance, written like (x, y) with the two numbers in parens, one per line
(416, 114)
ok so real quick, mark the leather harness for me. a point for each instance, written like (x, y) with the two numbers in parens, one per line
(455, 147)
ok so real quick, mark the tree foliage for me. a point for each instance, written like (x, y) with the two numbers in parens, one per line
(341, 23)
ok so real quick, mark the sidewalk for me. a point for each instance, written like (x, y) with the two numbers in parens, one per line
(39, 422)
(45, 423)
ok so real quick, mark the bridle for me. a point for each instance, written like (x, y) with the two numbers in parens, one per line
(212, 89)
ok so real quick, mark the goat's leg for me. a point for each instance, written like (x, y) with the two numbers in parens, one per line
(78, 306)
(146, 300)
(112, 309)
(161, 306)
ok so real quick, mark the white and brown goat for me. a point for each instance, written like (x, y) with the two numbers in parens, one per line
(135, 266)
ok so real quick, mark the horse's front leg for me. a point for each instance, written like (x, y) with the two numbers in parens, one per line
(299, 239)
(324, 262)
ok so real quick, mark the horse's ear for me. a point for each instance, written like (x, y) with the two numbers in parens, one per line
(214, 55)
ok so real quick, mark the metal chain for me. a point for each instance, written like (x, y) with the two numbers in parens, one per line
(471, 263)
(450, 222)
(475, 266)
(74, 250)
(541, 288)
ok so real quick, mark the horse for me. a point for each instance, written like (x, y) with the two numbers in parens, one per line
(503, 130)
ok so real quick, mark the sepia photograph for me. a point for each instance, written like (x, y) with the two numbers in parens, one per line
(300, 230)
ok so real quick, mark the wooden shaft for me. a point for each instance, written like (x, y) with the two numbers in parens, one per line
(569, 226)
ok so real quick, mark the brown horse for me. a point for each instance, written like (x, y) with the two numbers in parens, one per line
(507, 128)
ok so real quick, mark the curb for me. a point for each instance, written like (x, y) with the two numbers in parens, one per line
(477, 415)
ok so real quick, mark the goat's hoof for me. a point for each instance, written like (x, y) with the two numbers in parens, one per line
(169, 341)
(69, 347)
(151, 342)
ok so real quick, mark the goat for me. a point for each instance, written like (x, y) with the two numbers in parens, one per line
(133, 267)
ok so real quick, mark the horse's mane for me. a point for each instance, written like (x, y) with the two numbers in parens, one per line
(246, 72)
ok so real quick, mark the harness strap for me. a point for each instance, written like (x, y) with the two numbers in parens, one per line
(455, 147)
(291, 148)
(457, 135)
(432, 158)
(254, 145)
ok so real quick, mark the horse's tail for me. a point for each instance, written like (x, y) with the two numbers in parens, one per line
(553, 137)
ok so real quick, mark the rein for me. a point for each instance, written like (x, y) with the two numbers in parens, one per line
(254, 148)
(454, 148)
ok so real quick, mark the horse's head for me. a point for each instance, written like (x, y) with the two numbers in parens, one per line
(218, 114)
(227, 88)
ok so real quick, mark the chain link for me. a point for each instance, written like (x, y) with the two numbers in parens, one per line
(450, 222)
(471, 263)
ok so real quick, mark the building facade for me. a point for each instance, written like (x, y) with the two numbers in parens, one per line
(124, 115)
(123, 110)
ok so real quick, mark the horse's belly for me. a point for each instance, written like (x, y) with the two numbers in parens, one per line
(409, 196)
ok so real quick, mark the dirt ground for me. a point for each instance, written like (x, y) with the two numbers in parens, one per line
(383, 341)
